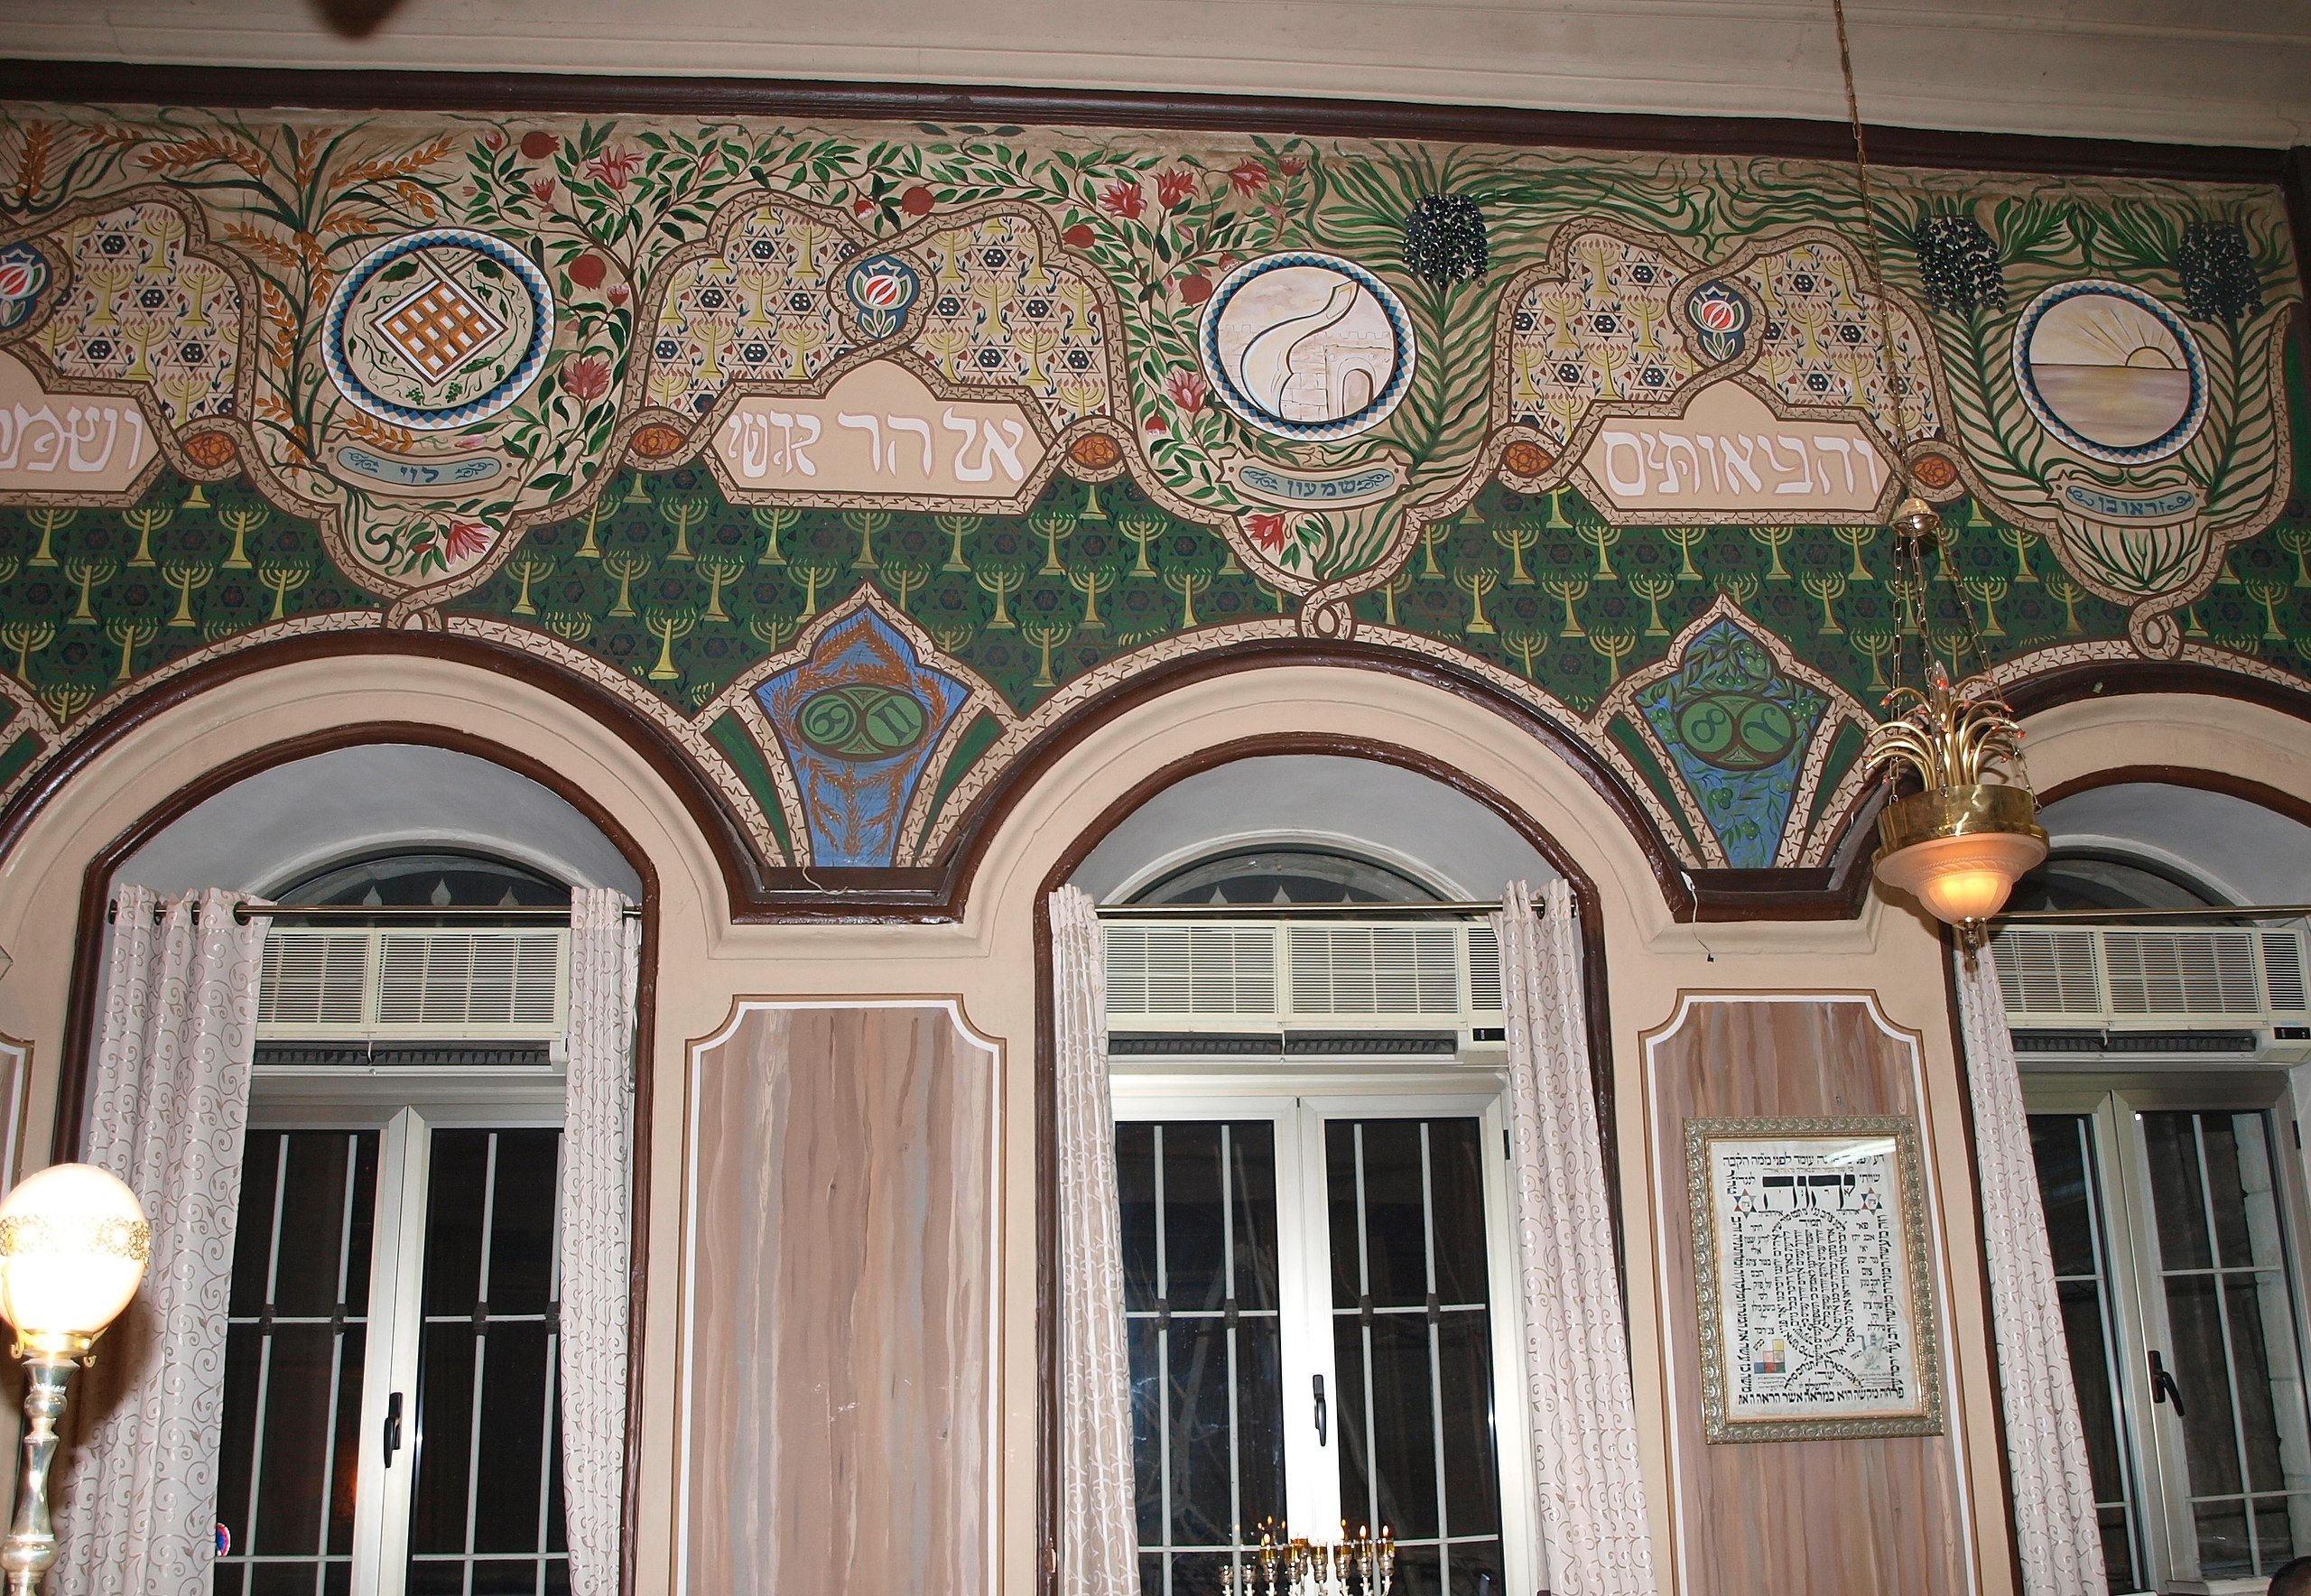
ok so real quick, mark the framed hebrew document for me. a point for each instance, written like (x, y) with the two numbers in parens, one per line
(1811, 1278)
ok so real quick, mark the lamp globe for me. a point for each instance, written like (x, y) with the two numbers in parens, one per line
(73, 1245)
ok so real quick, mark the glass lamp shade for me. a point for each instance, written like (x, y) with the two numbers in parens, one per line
(1958, 851)
(73, 1244)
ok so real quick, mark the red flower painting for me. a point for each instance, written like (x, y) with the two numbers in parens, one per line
(587, 378)
(1248, 178)
(542, 191)
(462, 540)
(614, 169)
(1269, 532)
(1123, 199)
(1175, 188)
(1291, 165)
(1187, 390)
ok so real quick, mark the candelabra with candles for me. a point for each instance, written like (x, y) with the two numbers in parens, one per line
(1358, 1564)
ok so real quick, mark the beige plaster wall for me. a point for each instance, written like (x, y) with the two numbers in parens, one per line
(986, 960)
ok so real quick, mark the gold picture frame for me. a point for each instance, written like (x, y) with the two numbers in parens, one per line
(1812, 1280)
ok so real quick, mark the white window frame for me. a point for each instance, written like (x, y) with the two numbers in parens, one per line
(404, 1107)
(1298, 1101)
(2151, 1436)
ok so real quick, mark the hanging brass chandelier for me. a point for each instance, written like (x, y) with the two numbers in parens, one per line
(1959, 826)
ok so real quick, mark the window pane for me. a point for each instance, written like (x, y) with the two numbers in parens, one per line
(1204, 1341)
(488, 1429)
(296, 1335)
(1412, 1340)
(1136, 1191)
(2058, 1144)
(2175, 1196)
(2231, 1314)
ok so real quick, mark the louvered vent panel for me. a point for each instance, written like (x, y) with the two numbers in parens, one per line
(466, 979)
(1484, 970)
(1375, 970)
(1191, 970)
(312, 978)
(2046, 971)
(2181, 972)
(2283, 971)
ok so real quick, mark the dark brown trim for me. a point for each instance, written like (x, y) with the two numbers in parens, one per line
(72, 1059)
(2292, 806)
(1595, 992)
(940, 892)
(811, 99)
(1982, 1260)
(936, 894)
(993, 808)
(705, 806)
(2102, 678)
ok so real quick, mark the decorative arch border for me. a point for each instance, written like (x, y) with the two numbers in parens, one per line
(88, 968)
(1830, 882)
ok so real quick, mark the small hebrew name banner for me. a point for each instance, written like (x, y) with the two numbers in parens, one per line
(1811, 1280)
(880, 430)
(68, 443)
(1730, 455)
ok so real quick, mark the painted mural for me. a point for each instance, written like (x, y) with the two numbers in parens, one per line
(858, 458)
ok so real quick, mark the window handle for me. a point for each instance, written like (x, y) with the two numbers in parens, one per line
(1320, 1410)
(2163, 1387)
(393, 1427)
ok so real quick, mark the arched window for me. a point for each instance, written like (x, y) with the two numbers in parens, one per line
(1307, 1076)
(391, 1419)
(1286, 875)
(2103, 879)
(442, 880)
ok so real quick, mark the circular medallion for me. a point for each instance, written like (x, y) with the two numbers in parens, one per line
(1306, 345)
(2109, 371)
(1737, 731)
(861, 721)
(438, 329)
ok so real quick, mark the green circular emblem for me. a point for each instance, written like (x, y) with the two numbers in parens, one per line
(1734, 731)
(861, 721)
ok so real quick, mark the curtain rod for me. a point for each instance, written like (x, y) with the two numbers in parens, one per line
(2209, 911)
(387, 913)
(1290, 911)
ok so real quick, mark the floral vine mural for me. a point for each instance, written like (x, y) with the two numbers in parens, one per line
(858, 458)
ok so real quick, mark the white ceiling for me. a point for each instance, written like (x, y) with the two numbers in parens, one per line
(2232, 71)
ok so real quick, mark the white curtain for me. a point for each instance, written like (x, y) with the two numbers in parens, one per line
(2060, 1538)
(597, 1207)
(1576, 1344)
(1098, 1532)
(168, 1109)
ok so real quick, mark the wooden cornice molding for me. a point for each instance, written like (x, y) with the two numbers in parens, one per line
(550, 93)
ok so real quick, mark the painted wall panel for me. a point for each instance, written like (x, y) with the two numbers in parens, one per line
(841, 1244)
(1806, 1517)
